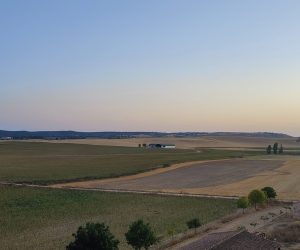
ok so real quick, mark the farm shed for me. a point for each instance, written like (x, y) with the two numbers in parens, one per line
(160, 145)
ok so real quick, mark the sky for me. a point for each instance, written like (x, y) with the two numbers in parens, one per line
(132, 65)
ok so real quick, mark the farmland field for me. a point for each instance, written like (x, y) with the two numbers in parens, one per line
(44, 218)
(196, 175)
(231, 177)
(191, 142)
(45, 163)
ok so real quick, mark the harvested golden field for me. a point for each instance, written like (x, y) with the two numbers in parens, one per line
(191, 142)
(286, 181)
(234, 177)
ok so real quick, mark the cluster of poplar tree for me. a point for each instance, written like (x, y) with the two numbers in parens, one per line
(276, 149)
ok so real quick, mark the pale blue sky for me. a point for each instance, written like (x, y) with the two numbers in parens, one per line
(150, 65)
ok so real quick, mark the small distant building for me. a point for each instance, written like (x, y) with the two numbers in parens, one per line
(6, 138)
(160, 145)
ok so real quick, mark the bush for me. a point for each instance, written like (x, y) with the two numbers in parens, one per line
(193, 223)
(93, 236)
(140, 235)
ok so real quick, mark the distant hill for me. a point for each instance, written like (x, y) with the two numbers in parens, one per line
(53, 135)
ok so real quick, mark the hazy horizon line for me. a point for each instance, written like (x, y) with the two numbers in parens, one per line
(148, 131)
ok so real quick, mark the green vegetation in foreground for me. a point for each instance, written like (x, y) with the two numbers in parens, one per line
(46, 163)
(46, 218)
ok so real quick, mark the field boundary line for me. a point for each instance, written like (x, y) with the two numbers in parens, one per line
(131, 191)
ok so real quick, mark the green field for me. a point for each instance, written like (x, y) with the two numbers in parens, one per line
(45, 163)
(45, 219)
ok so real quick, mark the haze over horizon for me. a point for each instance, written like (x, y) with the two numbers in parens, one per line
(150, 66)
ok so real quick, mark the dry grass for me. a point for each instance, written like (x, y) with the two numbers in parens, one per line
(285, 180)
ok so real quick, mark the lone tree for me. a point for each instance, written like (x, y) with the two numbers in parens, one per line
(193, 223)
(275, 148)
(93, 236)
(281, 149)
(269, 149)
(243, 203)
(256, 197)
(270, 192)
(140, 235)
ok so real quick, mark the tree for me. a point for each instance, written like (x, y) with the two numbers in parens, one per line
(93, 236)
(281, 149)
(140, 235)
(269, 149)
(193, 223)
(275, 148)
(270, 192)
(256, 197)
(243, 203)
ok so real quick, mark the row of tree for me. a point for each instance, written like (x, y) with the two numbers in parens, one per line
(98, 236)
(256, 197)
(276, 149)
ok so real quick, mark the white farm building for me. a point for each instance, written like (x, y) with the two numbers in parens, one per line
(160, 145)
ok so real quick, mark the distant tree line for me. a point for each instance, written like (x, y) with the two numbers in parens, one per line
(276, 149)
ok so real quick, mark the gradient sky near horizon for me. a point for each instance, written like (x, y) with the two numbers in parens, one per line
(150, 65)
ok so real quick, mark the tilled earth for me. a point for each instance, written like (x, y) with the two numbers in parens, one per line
(197, 175)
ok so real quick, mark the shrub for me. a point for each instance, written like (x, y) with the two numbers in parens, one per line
(193, 223)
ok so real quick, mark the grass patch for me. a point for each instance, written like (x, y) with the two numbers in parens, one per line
(46, 163)
(46, 218)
